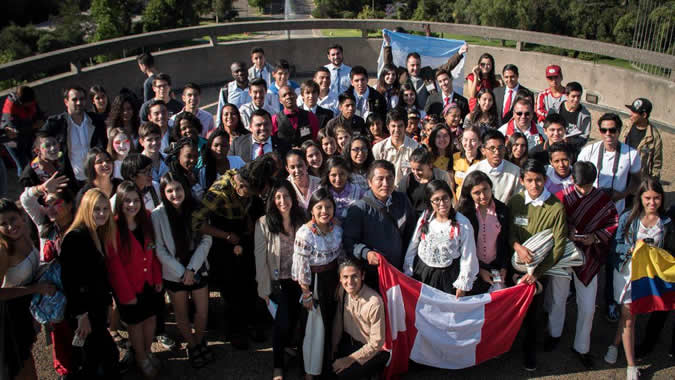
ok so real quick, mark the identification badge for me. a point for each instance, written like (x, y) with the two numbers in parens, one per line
(521, 221)
(401, 221)
(460, 175)
(305, 131)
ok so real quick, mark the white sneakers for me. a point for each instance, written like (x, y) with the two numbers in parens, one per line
(612, 354)
(632, 373)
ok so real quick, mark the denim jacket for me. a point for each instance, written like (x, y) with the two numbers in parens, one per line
(625, 239)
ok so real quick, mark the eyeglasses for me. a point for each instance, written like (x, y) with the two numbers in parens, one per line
(360, 150)
(608, 130)
(522, 113)
(495, 149)
(443, 199)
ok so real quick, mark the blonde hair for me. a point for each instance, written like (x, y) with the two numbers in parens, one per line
(85, 219)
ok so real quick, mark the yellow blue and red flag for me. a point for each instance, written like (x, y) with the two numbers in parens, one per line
(652, 279)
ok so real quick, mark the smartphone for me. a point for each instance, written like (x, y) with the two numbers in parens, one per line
(78, 341)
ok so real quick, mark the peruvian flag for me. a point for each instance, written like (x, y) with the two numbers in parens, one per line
(436, 329)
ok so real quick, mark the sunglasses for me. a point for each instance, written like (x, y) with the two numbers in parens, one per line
(522, 113)
(608, 130)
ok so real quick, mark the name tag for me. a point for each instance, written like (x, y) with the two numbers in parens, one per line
(521, 221)
(460, 175)
(305, 131)
(401, 221)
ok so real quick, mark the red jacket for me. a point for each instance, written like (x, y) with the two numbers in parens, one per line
(129, 269)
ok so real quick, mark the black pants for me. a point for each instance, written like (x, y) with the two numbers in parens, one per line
(98, 358)
(530, 324)
(657, 320)
(286, 319)
(235, 276)
(347, 346)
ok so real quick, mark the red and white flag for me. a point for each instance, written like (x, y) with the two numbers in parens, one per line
(436, 329)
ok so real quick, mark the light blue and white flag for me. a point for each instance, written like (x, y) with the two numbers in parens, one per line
(433, 51)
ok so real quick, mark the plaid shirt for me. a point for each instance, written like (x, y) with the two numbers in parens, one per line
(221, 200)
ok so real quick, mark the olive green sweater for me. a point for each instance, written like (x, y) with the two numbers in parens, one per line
(550, 215)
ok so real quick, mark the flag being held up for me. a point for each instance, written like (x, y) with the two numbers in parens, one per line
(437, 329)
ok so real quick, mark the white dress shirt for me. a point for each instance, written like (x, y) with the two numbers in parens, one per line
(339, 78)
(78, 134)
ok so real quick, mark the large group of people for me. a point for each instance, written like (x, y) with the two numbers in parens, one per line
(289, 199)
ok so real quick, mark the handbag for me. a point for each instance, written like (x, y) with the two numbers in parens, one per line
(313, 343)
(45, 308)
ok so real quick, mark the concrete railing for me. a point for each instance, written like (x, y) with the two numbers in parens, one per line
(208, 64)
(72, 56)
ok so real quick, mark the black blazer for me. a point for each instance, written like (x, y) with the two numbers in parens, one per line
(60, 123)
(435, 104)
(376, 101)
(324, 115)
(500, 92)
(84, 277)
(242, 145)
(503, 251)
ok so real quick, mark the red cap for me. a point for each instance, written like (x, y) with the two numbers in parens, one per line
(553, 70)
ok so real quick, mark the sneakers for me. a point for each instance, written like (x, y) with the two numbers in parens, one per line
(612, 354)
(632, 373)
(165, 341)
(613, 313)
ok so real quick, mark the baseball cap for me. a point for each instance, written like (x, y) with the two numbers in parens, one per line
(553, 70)
(640, 105)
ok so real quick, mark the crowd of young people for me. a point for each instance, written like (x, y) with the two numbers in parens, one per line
(289, 199)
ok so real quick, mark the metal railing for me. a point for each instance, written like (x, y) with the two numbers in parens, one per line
(73, 56)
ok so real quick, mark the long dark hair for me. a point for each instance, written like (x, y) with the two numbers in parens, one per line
(115, 116)
(466, 205)
(6, 206)
(305, 147)
(239, 129)
(90, 161)
(429, 190)
(334, 162)
(208, 162)
(181, 228)
(46, 225)
(194, 122)
(509, 149)
(381, 85)
(142, 220)
(347, 155)
(319, 195)
(275, 222)
(434, 150)
(491, 77)
(648, 183)
(478, 113)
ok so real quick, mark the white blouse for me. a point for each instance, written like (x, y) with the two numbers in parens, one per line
(442, 244)
(311, 249)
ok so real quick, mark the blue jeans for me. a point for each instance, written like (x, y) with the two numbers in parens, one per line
(20, 155)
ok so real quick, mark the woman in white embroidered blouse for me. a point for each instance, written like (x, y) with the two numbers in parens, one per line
(303, 183)
(443, 244)
(318, 245)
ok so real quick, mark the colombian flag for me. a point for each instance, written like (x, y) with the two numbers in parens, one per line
(652, 279)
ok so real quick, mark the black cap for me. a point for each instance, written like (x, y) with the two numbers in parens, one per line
(640, 105)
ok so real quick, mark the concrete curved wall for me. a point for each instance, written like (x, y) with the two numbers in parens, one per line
(208, 65)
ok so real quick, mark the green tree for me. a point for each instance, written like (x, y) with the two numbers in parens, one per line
(18, 42)
(169, 14)
(223, 10)
(259, 4)
(109, 19)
